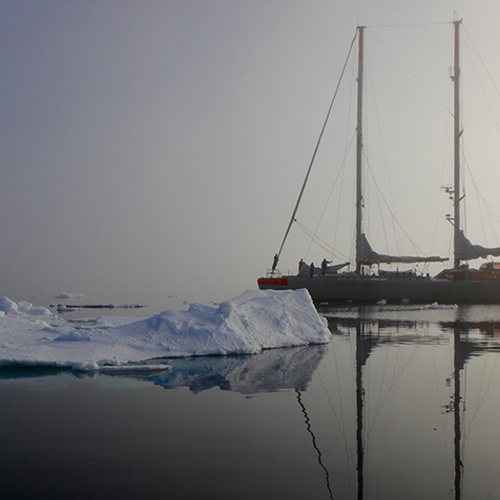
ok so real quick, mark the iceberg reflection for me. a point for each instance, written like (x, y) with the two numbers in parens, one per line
(269, 371)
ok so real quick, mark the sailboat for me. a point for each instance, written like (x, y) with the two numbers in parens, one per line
(456, 285)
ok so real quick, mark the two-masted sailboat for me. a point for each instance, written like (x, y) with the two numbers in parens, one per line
(459, 284)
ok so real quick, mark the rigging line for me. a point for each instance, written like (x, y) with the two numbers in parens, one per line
(413, 75)
(407, 25)
(337, 219)
(347, 148)
(380, 403)
(308, 425)
(342, 419)
(444, 169)
(478, 198)
(483, 394)
(317, 146)
(323, 244)
(492, 228)
(445, 107)
(327, 248)
(440, 397)
(484, 66)
(384, 156)
(493, 485)
(462, 402)
(492, 114)
(484, 93)
(398, 370)
(390, 392)
(353, 191)
(491, 211)
(384, 229)
(340, 171)
(415, 246)
(388, 420)
(481, 219)
(490, 208)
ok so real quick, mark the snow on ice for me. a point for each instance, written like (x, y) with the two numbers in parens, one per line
(247, 324)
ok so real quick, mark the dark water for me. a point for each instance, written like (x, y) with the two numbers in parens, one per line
(401, 404)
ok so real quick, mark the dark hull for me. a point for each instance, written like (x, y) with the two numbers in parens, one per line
(422, 290)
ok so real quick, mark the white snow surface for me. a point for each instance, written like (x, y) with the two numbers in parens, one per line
(246, 324)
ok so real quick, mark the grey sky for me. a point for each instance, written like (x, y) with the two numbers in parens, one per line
(160, 145)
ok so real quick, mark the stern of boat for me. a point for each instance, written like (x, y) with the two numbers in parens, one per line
(273, 283)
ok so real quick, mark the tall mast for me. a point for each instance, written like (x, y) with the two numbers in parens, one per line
(456, 141)
(359, 146)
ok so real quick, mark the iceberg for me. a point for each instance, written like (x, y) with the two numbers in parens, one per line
(247, 324)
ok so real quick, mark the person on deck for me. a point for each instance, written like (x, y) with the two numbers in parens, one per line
(324, 265)
(311, 270)
(275, 261)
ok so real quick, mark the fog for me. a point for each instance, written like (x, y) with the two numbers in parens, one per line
(158, 146)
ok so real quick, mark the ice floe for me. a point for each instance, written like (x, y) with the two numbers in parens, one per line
(247, 324)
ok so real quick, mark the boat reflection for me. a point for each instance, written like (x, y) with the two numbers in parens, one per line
(467, 339)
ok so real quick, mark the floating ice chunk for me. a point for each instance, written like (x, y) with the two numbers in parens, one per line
(249, 323)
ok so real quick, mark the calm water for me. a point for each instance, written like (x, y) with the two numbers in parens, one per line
(402, 403)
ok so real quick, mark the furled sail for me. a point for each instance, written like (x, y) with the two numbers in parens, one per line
(465, 250)
(365, 255)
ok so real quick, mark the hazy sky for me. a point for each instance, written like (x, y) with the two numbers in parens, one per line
(159, 146)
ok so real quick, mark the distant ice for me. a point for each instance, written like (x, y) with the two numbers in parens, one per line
(64, 295)
(435, 305)
(247, 324)
(63, 308)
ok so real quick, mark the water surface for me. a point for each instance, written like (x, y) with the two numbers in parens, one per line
(402, 403)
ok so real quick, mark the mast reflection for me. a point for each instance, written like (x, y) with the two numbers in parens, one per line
(468, 339)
